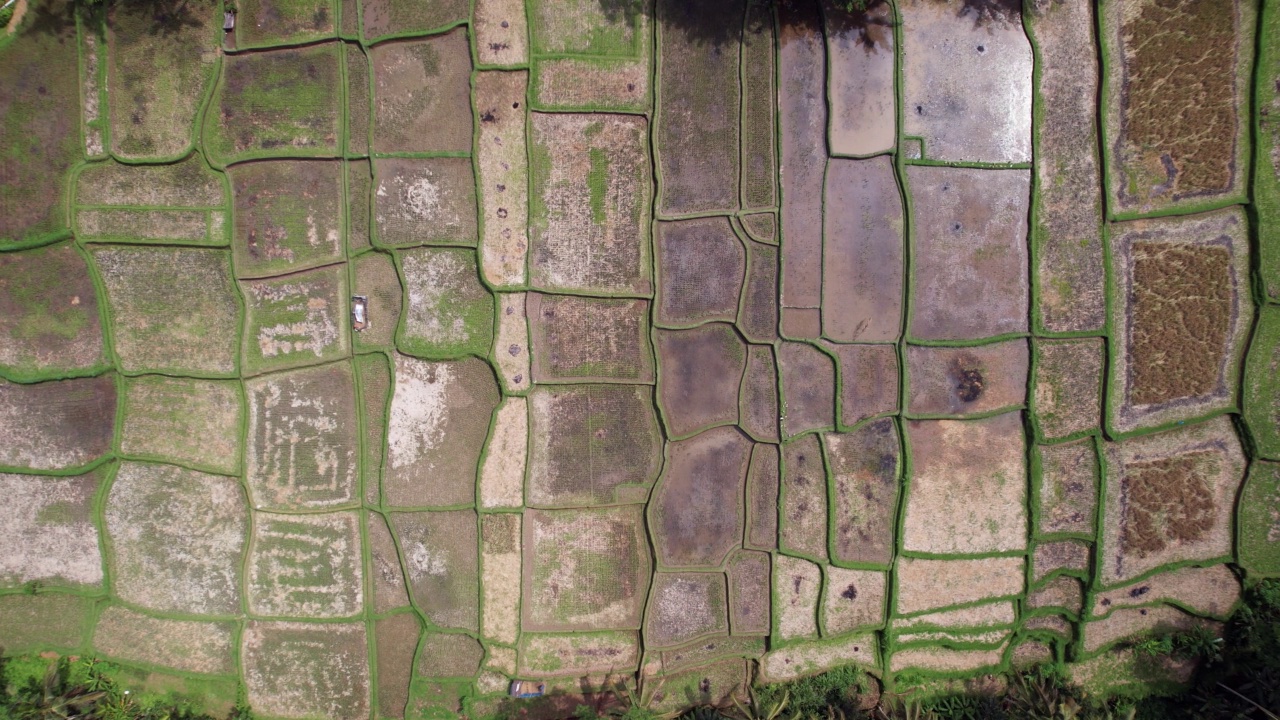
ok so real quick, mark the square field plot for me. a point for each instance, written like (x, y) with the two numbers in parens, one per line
(288, 215)
(306, 565)
(57, 424)
(686, 606)
(585, 339)
(697, 511)
(702, 371)
(278, 102)
(177, 538)
(593, 235)
(966, 381)
(422, 92)
(1183, 311)
(968, 487)
(301, 670)
(283, 22)
(1177, 117)
(1169, 498)
(428, 201)
(303, 439)
(449, 312)
(592, 444)
(49, 320)
(585, 569)
(172, 309)
(967, 81)
(193, 422)
(293, 320)
(48, 530)
(701, 269)
(969, 275)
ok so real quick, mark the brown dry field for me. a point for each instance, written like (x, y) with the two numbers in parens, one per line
(762, 497)
(868, 381)
(1068, 488)
(803, 505)
(48, 311)
(684, 607)
(1067, 394)
(424, 201)
(288, 215)
(392, 17)
(808, 388)
(702, 370)
(864, 470)
(758, 403)
(440, 551)
(758, 317)
(967, 381)
(58, 424)
(863, 252)
(801, 323)
(802, 112)
(701, 270)
(749, 596)
(697, 508)
(589, 339)
(502, 175)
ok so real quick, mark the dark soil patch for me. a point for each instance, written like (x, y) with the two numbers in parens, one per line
(863, 248)
(758, 318)
(584, 339)
(762, 497)
(57, 424)
(758, 409)
(804, 498)
(1167, 502)
(803, 114)
(801, 323)
(701, 266)
(762, 227)
(808, 388)
(868, 381)
(702, 370)
(696, 508)
(864, 468)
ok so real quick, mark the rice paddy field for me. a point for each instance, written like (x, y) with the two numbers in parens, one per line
(372, 355)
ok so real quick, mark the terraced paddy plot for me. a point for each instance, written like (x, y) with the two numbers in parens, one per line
(868, 381)
(440, 555)
(384, 18)
(449, 312)
(503, 174)
(502, 471)
(614, 84)
(801, 659)
(294, 320)
(386, 575)
(424, 201)
(931, 584)
(715, 684)
(440, 415)
(1061, 557)
(860, 47)
(187, 645)
(797, 584)
(39, 128)
(418, 91)
(173, 309)
(1068, 386)
(176, 539)
(1212, 591)
(305, 565)
(699, 652)
(1182, 318)
(697, 516)
(187, 183)
(449, 655)
(758, 314)
(945, 659)
(968, 492)
(762, 497)
(759, 103)
(502, 32)
(1130, 622)
(701, 268)
(278, 102)
(702, 370)
(862, 253)
(500, 537)
(590, 236)
(808, 388)
(592, 445)
(1258, 520)
(298, 670)
(750, 601)
(686, 606)
(181, 227)
(288, 215)
(589, 339)
(758, 398)
(967, 381)
(1063, 593)
(373, 379)
(48, 620)
(803, 503)
(585, 569)
(49, 315)
(57, 424)
(802, 112)
(986, 615)
(587, 28)
(1262, 393)
(395, 643)
(1068, 229)
(183, 420)
(159, 68)
(967, 81)
(864, 492)
(303, 439)
(579, 653)
(376, 280)
(511, 346)
(1067, 493)
(49, 530)
(698, 106)
(969, 260)
(1168, 499)
(1169, 151)
(283, 22)
(853, 599)
(801, 323)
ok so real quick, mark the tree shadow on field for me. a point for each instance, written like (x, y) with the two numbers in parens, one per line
(165, 17)
(50, 18)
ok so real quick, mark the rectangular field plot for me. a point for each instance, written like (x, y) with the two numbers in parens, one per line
(759, 124)
(186, 645)
(57, 424)
(195, 422)
(701, 269)
(802, 112)
(386, 18)
(502, 472)
(702, 375)
(279, 102)
(1166, 368)
(300, 319)
(803, 503)
(860, 45)
(862, 252)
(1067, 491)
(159, 67)
(696, 512)
(686, 606)
(501, 539)
(502, 173)
(868, 381)
(185, 184)
(263, 23)
(1068, 386)
(299, 670)
(449, 311)
(502, 32)
(305, 565)
(47, 620)
(864, 466)
(698, 106)
(49, 531)
(49, 317)
(615, 84)
(376, 280)
(421, 88)
(178, 227)
(589, 339)
(424, 201)
(585, 27)
(966, 381)
(288, 215)
(590, 236)
(1171, 151)
(441, 556)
